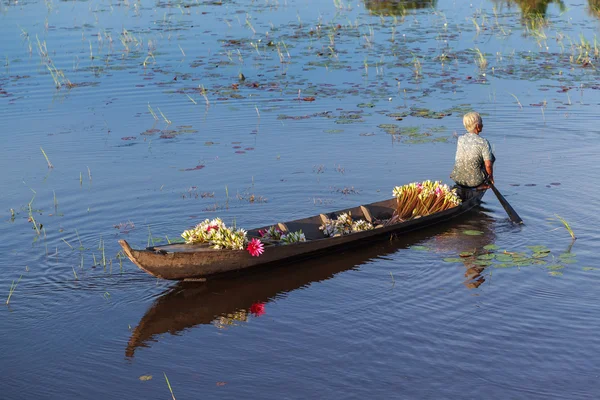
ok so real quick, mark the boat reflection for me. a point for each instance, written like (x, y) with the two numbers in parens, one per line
(397, 7)
(229, 301)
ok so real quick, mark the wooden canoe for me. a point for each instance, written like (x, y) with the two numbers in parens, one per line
(199, 261)
(188, 304)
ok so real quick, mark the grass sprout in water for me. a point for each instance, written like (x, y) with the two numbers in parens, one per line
(567, 226)
(13, 286)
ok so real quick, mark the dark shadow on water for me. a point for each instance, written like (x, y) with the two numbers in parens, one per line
(397, 7)
(231, 300)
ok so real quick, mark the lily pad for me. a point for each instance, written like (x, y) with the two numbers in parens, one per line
(566, 255)
(504, 257)
(540, 254)
(539, 249)
(504, 265)
(568, 260)
(486, 257)
(145, 378)
(588, 268)
(555, 273)
(483, 263)
(466, 254)
(453, 260)
(472, 232)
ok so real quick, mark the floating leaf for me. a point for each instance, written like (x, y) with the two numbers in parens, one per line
(472, 232)
(540, 254)
(539, 249)
(145, 377)
(523, 263)
(490, 247)
(566, 255)
(588, 268)
(485, 257)
(466, 254)
(419, 248)
(504, 265)
(555, 273)
(483, 263)
(453, 260)
(568, 260)
(504, 257)
(538, 262)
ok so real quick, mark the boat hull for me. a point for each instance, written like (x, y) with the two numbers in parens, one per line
(197, 262)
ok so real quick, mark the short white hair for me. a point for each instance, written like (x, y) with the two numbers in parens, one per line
(472, 120)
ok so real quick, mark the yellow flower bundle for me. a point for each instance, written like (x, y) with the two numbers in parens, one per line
(418, 199)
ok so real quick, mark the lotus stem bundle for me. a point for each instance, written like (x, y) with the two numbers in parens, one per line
(418, 199)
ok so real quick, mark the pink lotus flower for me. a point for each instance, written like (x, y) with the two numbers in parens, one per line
(257, 309)
(255, 247)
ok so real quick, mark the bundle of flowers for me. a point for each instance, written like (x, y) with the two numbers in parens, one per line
(217, 234)
(424, 198)
(344, 225)
(293, 237)
(274, 234)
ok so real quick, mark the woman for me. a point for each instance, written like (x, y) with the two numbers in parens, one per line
(474, 162)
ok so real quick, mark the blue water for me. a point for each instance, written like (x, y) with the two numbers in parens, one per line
(152, 130)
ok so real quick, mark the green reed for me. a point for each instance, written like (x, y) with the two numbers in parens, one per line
(47, 159)
(567, 226)
(169, 385)
(13, 286)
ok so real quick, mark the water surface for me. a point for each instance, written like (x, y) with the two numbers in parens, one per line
(152, 128)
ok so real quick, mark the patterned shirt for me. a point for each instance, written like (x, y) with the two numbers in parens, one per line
(471, 153)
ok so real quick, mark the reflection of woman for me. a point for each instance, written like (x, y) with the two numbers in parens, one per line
(457, 242)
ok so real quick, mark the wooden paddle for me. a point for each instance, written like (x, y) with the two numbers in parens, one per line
(512, 214)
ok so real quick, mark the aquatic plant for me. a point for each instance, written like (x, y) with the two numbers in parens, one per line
(424, 198)
(567, 226)
(293, 237)
(217, 234)
(344, 225)
(13, 286)
(274, 234)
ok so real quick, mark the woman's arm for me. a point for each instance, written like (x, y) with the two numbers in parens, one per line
(489, 168)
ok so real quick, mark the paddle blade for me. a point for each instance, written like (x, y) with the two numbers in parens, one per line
(512, 214)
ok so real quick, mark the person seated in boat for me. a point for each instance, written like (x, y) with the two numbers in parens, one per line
(474, 161)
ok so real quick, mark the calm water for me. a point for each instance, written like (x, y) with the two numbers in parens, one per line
(153, 129)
